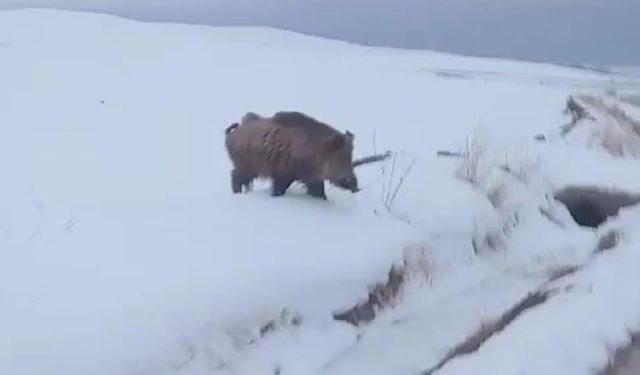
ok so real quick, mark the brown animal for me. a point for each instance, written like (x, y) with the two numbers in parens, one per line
(288, 147)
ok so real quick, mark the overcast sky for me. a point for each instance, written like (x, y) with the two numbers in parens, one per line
(605, 32)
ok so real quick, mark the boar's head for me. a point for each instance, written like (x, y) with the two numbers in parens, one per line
(338, 167)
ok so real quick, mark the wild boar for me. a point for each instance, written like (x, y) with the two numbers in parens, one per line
(288, 147)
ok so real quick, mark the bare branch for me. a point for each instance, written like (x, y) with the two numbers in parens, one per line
(447, 153)
(370, 159)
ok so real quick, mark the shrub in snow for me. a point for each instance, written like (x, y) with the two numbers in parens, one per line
(479, 168)
(395, 169)
(521, 162)
(394, 179)
(510, 180)
(476, 161)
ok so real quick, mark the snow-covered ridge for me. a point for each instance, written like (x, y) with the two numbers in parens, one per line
(123, 251)
(302, 44)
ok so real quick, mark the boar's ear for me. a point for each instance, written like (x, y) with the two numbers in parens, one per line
(336, 142)
(350, 136)
(250, 116)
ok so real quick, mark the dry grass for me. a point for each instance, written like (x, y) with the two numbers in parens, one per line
(476, 163)
(495, 175)
(614, 130)
(386, 294)
(381, 296)
(490, 329)
(394, 179)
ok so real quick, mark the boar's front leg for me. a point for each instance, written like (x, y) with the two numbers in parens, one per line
(236, 182)
(316, 189)
(280, 185)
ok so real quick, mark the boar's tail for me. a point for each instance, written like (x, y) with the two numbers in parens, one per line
(231, 127)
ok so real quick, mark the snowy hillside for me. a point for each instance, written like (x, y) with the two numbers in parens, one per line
(123, 250)
(628, 70)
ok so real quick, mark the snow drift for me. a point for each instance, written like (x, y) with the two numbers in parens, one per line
(123, 251)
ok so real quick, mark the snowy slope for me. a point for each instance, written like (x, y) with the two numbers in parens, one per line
(123, 251)
(631, 70)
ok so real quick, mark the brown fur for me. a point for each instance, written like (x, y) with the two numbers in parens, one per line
(290, 146)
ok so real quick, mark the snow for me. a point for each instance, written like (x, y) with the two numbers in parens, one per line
(123, 251)
(632, 70)
(593, 314)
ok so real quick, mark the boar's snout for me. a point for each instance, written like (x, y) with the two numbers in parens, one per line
(348, 183)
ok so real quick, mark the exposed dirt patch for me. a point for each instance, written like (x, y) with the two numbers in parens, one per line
(382, 295)
(608, 241)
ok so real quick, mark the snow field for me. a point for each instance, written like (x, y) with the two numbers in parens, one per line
(123, 251)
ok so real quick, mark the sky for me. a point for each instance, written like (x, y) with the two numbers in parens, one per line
(600, 32)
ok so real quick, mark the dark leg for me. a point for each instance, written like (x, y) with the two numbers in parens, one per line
(280, 185)
(238, 180)
(236, 183)
(316, 189)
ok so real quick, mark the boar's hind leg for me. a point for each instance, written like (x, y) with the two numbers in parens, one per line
(238, 180)
(280, 185)
(316, 189)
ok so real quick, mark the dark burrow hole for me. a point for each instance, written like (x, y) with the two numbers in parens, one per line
(591, 206)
